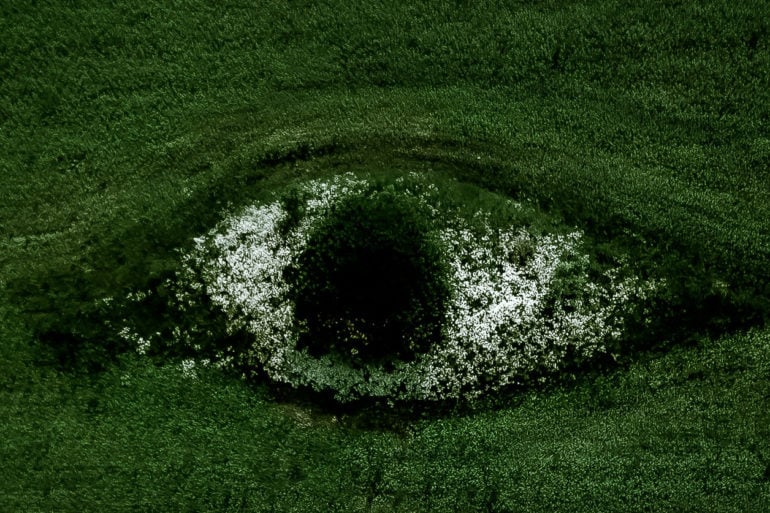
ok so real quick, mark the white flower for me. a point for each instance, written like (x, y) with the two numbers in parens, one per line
(188, 368)
(502, 322)
(142, 345)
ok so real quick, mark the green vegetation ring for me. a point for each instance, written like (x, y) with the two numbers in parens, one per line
(517, 304)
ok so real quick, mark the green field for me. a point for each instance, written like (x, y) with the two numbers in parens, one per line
(127, 128)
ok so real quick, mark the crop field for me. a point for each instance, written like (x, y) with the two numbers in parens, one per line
(407, 256)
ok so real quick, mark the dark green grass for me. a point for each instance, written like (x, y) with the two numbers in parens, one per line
(683, 432)
(126, 129)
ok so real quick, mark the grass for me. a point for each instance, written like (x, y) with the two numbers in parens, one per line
(684, 432)
(124, 130)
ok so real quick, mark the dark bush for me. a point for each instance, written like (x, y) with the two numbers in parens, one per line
(371, 284)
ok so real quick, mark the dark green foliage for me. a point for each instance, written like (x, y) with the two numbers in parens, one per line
(293, 203)
(687, 430)
(125, 129)
(371, 284)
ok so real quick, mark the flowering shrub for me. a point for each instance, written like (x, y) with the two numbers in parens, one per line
(389, 289)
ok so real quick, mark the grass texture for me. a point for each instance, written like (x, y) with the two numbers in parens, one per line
(127, 129)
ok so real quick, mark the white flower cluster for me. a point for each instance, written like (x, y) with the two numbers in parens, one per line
(505, 318)
(141, 344)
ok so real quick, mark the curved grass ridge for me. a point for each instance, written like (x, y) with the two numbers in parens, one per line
(521, 303)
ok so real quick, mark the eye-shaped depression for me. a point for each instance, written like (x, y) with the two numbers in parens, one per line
(396, 288)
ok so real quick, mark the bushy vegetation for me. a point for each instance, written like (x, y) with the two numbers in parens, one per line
(127, 130)
(385, 290)
(370, 280)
